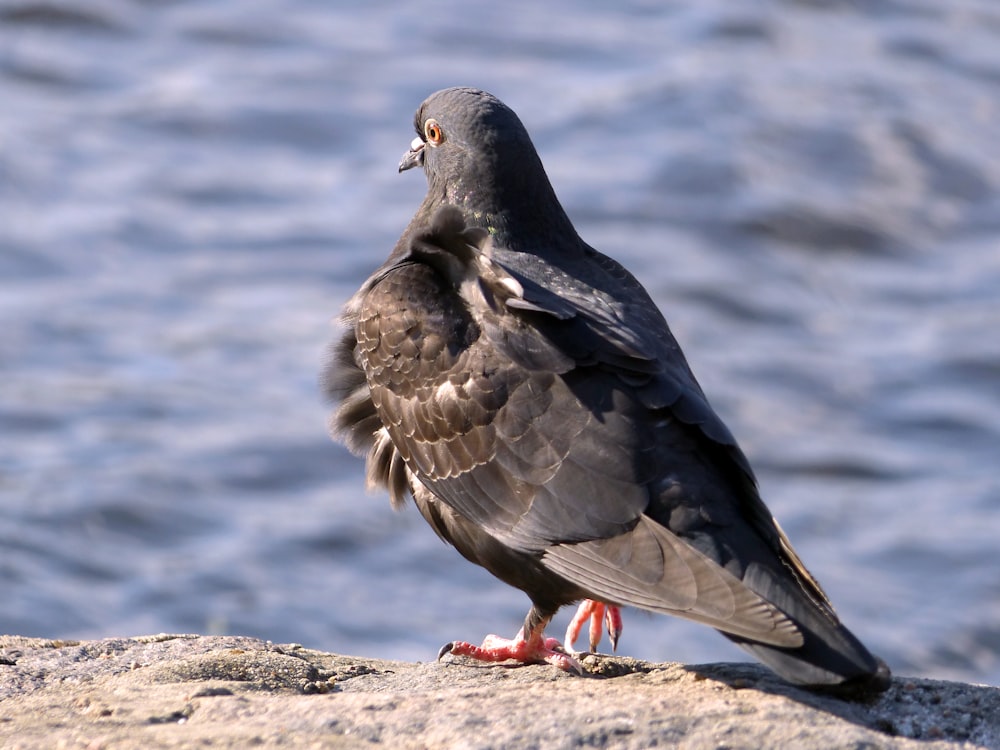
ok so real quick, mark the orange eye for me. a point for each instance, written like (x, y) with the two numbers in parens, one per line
(433, 133)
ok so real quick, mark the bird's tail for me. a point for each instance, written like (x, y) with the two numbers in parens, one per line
(830, 658)
(819, 665)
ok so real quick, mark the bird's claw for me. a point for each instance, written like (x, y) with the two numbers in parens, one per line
(600, 615)
(532, 651)
(613, 618)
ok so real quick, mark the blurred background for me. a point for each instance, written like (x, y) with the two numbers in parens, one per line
(189, 191)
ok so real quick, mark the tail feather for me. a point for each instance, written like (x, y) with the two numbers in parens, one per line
(817, 665)
(830, 656)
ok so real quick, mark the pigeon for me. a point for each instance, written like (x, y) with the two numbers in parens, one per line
(528, 395)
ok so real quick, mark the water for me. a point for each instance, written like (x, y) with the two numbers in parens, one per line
(190, 190)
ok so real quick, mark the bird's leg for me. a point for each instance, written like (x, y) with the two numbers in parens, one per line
(600, 615)
(529, 646)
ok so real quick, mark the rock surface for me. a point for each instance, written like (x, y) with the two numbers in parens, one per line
(170, 691)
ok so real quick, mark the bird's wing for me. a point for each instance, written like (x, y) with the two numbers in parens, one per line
(510, 405)
(652, 568)
(616, 324)
(498, 442)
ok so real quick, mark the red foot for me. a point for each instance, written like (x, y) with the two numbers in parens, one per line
(532, 650)
(599, 614)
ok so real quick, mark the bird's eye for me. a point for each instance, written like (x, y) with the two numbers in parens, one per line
(433, 133)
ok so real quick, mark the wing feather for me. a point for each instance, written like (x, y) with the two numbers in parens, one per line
(651, 568)
(555, 424)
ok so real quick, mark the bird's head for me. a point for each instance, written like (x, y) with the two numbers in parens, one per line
(462, 129)
(477, 155)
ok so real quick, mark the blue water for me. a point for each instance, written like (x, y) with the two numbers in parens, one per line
(190, 190)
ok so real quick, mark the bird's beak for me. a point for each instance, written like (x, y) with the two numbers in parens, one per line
(414, 157)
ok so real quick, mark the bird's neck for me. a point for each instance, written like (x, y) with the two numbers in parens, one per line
(520, 218)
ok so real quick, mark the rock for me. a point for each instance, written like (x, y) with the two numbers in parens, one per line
(170, 691)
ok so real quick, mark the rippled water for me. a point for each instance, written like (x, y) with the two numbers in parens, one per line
(189, 191)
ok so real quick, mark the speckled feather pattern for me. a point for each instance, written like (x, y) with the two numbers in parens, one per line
(529, 395)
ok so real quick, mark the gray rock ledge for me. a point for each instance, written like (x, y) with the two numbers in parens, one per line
(172, 691)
